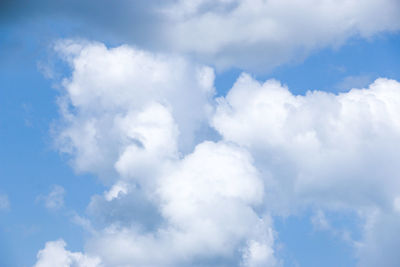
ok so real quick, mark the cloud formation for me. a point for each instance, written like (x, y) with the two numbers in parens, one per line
(140, 125)
(206, 201)
(351, 139)
(257, 34)
(326, 151)
(55, 254)
(123, 102)
(254, 35)
(180, 197)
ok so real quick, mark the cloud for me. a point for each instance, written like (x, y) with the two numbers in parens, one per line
(123, 102)
(259, 255)
(207, 202)
(254, 35)
(351, 82)
(4, 202)
(333, 152)
(55, 254)
(175, 197)
(136, 115)
(350, 140)
(263, 34)
(55, 199)
(380, 243)
(320, 222)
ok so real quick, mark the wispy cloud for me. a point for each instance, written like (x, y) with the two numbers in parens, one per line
(4, 202)
(55, 199)
(350, 82)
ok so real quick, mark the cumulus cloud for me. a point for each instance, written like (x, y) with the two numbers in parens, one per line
(55, 254)
(335, 148)
(174, 199)
(134, 118)
(123, 102)
(331, 151)
(251, 34)
(207, 202)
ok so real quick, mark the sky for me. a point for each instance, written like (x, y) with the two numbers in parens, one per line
(199, 133)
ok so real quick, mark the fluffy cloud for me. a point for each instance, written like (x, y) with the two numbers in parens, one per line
(205, 213)
(207, 204)
(322, 150)
(123, 102)
(55, 254)
(135, 118)
(320, 146)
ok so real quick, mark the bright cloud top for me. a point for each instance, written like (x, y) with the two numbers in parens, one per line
(335, 152)
(123, 100)
(55, 254)
(137, 120)
(350, 139)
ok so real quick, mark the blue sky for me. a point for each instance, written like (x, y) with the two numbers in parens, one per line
(52, 190)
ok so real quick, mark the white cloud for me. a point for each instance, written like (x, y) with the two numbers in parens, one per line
(249, 34)
(320, 146)
(258, 34)
(4, 202)
(123, 101)
(156, 135)
(116, 191)
(207, 203)
(136, 115)
(259, 255)
(336, 152)
(133, 118)
(55, 255)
